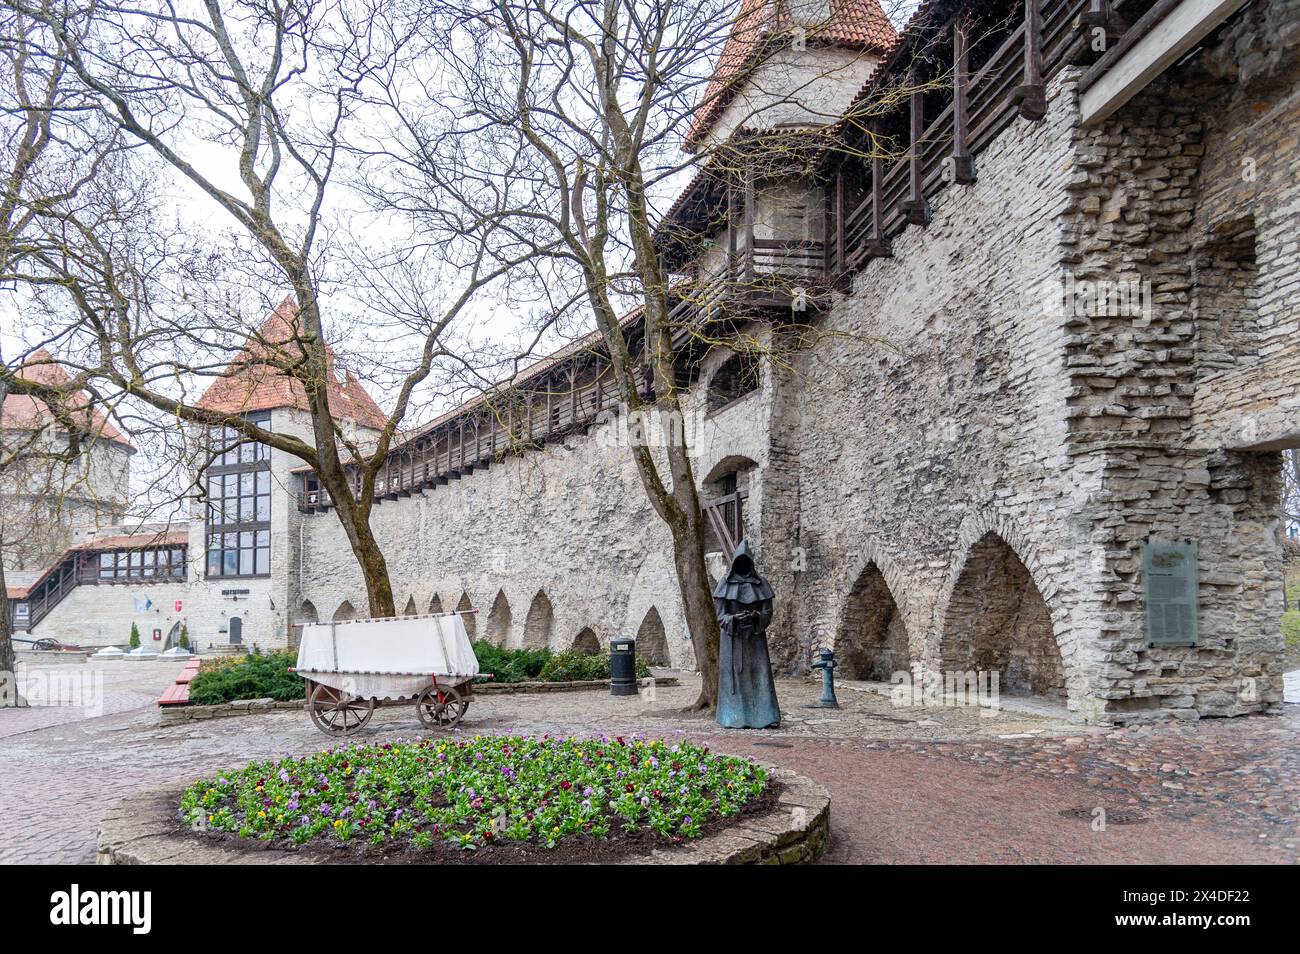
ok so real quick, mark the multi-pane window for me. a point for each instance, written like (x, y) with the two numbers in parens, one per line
(239, 503)
(139, 564)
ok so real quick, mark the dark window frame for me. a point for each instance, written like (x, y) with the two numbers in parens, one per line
(162, 563)
(237, 530)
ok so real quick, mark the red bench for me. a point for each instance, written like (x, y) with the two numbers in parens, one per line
(187, 674)
(175, 695)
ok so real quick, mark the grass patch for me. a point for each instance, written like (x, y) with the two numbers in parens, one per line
(475, 793)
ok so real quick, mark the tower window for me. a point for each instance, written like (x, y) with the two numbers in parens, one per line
(239, 503)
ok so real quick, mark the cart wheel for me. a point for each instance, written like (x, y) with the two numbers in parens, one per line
(337, 713)
(441, 707)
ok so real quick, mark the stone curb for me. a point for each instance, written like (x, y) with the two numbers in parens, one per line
(140, 830)
(506, 688)
(178, 715)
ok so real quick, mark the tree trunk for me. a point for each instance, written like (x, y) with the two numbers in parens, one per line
(8, 662)
(701, 620)
(355, 519)
(379, 588)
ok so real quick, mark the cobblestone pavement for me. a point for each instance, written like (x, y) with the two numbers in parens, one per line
(85, 690)
(907, 785)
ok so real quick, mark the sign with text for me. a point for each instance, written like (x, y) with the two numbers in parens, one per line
(1169, 592)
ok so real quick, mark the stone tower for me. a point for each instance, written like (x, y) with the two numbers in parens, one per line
(48, 504)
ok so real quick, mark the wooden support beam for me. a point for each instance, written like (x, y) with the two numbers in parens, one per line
(1031, 97)
(961, 164)
(1096, 29)
(915, 209)
(733, 223)
(1164, 34)
(878, 245)
(748, 174)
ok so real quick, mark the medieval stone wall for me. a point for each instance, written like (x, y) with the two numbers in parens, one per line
(937, 418)
(552, 547)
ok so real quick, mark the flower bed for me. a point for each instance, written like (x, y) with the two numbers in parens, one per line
(490, 794)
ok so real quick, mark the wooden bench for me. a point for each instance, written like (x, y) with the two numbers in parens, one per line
(177, 694)
(187, 674)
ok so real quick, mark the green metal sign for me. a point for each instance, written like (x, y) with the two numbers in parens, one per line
(1169, 592)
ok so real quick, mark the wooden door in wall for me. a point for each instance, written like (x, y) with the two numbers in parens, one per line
(236, 630)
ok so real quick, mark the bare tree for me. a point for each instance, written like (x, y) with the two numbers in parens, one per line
(38, 166)
(248, 105)
(560, 126)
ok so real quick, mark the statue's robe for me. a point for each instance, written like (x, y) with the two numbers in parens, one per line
(746, 691)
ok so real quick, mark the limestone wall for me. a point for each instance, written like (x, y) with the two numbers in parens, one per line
(939, 415)
(570, 521)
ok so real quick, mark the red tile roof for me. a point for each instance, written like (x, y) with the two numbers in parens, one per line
(27, 412)
(858, 24)
(250, 384)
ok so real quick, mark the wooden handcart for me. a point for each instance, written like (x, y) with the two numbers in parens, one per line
(352, 668)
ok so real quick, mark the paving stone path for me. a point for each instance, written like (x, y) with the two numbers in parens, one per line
(907, 785)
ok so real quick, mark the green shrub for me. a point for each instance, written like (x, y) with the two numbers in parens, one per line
(542, 665)
(252, 677)
(183, 640)
(510, 665)
(135, 636)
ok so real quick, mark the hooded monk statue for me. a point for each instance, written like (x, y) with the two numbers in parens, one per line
(746, 692)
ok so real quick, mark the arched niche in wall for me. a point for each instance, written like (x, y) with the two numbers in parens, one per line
(470, 619)
(651, 640)
(996, 619)
(498, 621)
(540, 620)
(587, 642)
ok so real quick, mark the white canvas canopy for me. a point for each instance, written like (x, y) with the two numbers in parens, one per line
(410, 646)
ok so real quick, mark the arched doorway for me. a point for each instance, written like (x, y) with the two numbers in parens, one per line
(236, 630)
(498, 621)
(587, 642)
(872, 640)
(651, 640)
(541, 617)
(997, 620)
(470, 619)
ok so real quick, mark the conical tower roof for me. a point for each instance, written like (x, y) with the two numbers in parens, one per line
(250, 384)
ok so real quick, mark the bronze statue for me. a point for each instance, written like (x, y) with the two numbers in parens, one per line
(746, 692)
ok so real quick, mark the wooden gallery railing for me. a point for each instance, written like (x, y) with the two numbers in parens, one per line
(507, 424)
(1009, 83)
(772, 273)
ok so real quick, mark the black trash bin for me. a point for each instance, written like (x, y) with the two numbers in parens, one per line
(622, 666)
